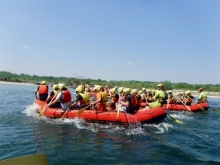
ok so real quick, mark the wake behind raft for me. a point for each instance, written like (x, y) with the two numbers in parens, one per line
(153, 115)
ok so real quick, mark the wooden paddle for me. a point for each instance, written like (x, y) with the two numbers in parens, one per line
(45, 106)
(37, 159)
(188, 108)
(64, 115)
(214, 109)
(175, 119)
(200, 107)
(83, 109)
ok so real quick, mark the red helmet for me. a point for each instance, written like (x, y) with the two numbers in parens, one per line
(201, 89)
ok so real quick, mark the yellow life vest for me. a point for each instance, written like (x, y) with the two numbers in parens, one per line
(104, 97)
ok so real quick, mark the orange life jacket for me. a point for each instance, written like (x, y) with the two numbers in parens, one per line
(66, 96)
(43, 89)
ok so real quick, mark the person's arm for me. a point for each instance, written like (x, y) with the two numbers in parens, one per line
(55, 100)
(36, 92)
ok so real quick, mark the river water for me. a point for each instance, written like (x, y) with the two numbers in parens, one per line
(75, 141)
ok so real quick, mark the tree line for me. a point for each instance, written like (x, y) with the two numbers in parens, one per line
(74, 82)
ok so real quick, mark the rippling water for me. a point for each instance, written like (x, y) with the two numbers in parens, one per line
(64, 142)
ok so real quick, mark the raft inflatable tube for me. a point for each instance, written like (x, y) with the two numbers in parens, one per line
(203, 106)
(153, 115)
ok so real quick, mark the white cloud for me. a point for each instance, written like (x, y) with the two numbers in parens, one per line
(25, 47)
(130, 63)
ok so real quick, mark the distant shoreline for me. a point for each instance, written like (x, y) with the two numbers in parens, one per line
(15, 83)
(194, 93)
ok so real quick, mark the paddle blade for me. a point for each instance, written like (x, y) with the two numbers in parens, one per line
(38, 159)
(175, 119)
(214, 109)
(41, 113)
(188, 108)
(81, 111)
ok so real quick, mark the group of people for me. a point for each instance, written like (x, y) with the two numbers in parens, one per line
(186, 98)
(117, 98)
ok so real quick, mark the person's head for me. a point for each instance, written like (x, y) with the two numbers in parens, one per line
(170, 93)
(62, 87)
(148, 91)
(127, 91)
(97, 88)
(160, 86)
(134, 91)
(143, 89)
(79, 89)
(112, 91)
(120, 89)
(188, 93)
(55, 87)
(43, 83)
(140, 92)
(201, 89)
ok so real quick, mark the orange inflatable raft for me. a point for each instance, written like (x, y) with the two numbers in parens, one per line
(153, 115)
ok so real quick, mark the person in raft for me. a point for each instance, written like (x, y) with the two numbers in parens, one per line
(82, 99)
(101, 98)
(202, 96)
(52, 96)
(41, 92)
(64, 97)
(128, 105)
(159, 97)
(114, 99)
(188, 98)
(171, 98)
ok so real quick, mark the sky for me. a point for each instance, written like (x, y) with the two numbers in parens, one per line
(143, 40)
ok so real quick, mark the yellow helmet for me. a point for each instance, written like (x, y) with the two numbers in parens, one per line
(113, 90)
(127, 90)
(97, 87)
(61, 86)
(134, 91)
(55, 87)
(170, 92)
(143, 89)
(188, 92)
(148, 91)
(120, 89)
(160, 85)
(79, 88)
(43, 83)
(140, 92)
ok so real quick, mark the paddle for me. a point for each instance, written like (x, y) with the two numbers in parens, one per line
(64, 115)
(37, 159)
(83, 109)
(200, 107)
(214, 109)
(175, 119)
(188, 108)
(45, 106)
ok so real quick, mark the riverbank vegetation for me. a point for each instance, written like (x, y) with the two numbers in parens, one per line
(74, 81)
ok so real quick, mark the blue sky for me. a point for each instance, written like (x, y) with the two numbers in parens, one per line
(145, 40)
